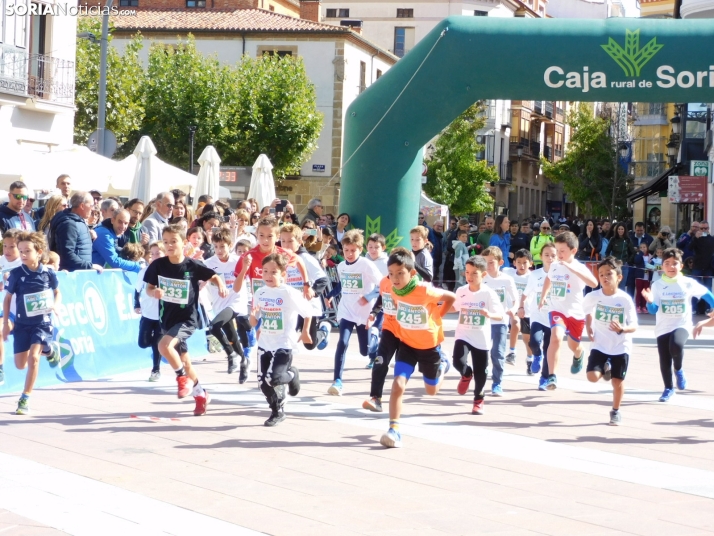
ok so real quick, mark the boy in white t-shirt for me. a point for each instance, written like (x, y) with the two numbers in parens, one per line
(278, 305)
(564, 286)
(520, 273)
(611, 320)
(359, 279)
(477, 306)
(148, 307)
(505, 289)
(10, 260)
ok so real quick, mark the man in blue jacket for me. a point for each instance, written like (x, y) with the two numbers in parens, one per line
(110, 239)
(11, 214)
(70, 237)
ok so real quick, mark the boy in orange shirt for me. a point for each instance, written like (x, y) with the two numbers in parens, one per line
(420, 333)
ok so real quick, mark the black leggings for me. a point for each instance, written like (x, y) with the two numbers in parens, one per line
(388, 345)
(149, 336)
(244, 328)
(479, 358)
(274, 371)
(223, 329)
(671, 352)
(313, 331)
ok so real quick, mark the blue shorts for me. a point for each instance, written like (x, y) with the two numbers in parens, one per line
(26, 336)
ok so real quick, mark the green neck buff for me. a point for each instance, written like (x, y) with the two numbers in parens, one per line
(413, 282)
(668, 279)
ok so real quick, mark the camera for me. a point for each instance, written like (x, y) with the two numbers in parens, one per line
(280, 207)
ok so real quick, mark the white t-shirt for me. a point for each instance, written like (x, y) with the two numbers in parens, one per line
(520, 280)
(603, 310)
(357, 280)
(566, 290)
(533, 292)
(674, 300)
(279, 308)
(6, 267)
(314, 272)
(381, 263)
(238, 301)
(473, 327)
(149, 304)
(505, 289)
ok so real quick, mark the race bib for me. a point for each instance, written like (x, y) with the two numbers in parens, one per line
(559, 289)
(228, 279)
(257, 284)
(501, 291)
(412, 316)
(606, 314)
(175, 290)
(673, 307)
(39, 303)
(521, 287)
(388, 305)
(351, 283)
(272, 321)
(472, 319)
(294, 278)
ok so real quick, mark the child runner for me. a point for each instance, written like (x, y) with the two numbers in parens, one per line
(148, 307)
(424, 264)
(540, 321)
(376, 244)
(389, 338)
(419, 317)
(461, 255)
(291, 239)
(564, 284)
(248, 336)
(611, 320)
(226, 309)
(359, 279)
(477, 305)
(505, 288)
(8, 262)
(642, 279)
(37, 294)
(670, 298)
(174, 281)
(278, 306)
(520, 273)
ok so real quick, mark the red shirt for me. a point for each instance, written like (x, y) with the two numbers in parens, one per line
(255, 270)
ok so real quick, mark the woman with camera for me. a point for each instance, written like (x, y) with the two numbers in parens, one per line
(663, 240)
(590, 243)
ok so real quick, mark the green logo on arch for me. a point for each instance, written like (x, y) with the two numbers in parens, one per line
(632, 58)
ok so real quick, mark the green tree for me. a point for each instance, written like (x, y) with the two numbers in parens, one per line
(125, 78)
(454, 176)
(589, 172)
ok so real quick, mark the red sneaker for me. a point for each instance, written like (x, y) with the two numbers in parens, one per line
(185, 385)
(478, 407)
(463, 386)
(201, 403)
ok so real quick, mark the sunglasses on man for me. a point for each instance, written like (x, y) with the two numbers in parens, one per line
(21, 197)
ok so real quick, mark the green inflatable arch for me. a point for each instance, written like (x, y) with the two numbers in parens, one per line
(465, 59)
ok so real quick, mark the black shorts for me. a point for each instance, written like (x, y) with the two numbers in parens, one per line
(181, 331)
(525, 326)
(428, 361)
(24, 336)
(596, 362)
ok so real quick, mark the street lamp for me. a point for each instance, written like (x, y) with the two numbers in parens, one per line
(672, 152)
(519, 149)
(191, 135)
(676, 123)
(624, 150)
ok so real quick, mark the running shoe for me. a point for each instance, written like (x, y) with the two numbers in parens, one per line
(496, 390)
(2, 375)
(464, 383)
(666, 395)
(213, 345)
(373, 404)
(201, 403)
(373, 340)
(185, 386)
(529, 362)
(607, 371)
(335, 389)
(324, 332)
(444, 367)
(511, 358)
(681, 380)
(22, 407)
(392, 439)
(370, 363)
(276, 417)
(478, 407)
(543, 384)
(294, 384)
(615, 418)
(577, 365)
(232, 366)
(53, 356)
(244, 369)
(535, 366)
(552, 383)
(155, 376)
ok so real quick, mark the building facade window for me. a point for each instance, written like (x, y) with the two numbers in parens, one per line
(379, 74)
(479, 13)
(129, 3)
(400, 42)
(337, 13)
(405, 13)
(195, 3)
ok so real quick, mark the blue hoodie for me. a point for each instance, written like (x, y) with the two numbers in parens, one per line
(9, 219)
(503, 242)
(105, 249)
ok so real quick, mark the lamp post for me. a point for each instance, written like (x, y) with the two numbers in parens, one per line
(519, 149)
(191, 135)
(672, 151)
(102, 104)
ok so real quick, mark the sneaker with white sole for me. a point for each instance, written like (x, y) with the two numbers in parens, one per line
(335, 389)
(373, 404)
(615, 418)
(155, 376)
(323, 333)
(511, 358)
(392, 439)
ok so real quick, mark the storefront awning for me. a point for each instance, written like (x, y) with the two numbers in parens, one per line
(658, 184)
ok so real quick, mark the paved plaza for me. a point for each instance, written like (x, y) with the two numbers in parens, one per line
(124, 456)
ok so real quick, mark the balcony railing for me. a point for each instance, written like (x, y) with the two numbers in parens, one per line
(489, 110)
(538, 106)
(647, 170)
(36, 75)
(548, 153)
(506, 172)
(549, 109)
(517, 142)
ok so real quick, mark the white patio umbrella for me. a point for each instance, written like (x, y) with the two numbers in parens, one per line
(141, 185)
(208, 175)
(262, 185)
